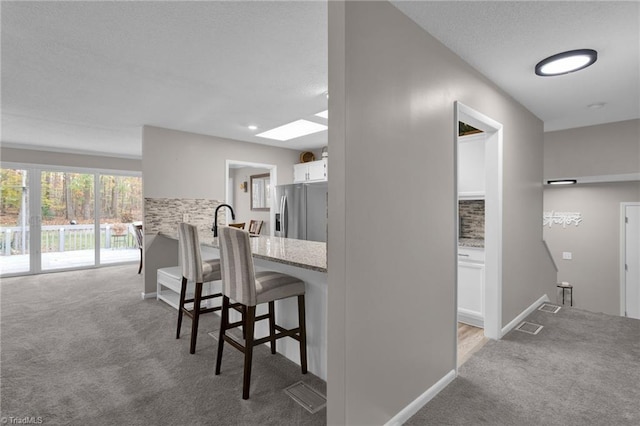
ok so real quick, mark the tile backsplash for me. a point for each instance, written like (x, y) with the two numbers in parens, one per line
(471, 218)
(164, 214)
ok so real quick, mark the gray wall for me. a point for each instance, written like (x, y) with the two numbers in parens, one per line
(187, 165)
(594, 243)
(49, 158)
(606, 149)
(392, 330)
(190, 166)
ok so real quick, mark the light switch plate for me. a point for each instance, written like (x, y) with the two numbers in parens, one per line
(566, 255)
(185, 217)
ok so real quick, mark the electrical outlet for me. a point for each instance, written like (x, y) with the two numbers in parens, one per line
(185, 217)
(566, 255)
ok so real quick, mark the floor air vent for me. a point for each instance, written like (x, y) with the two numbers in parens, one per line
(552, 309)
(529, 327)
(310, 399)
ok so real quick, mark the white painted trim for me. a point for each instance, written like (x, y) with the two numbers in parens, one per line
(470, 317)
(411, 409)
(493, 214)
(524, 314)
(622, 257)
(625, 177)
(144, 295)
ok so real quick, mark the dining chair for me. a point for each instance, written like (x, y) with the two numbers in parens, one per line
(196, 270)
(255, 226)
(247, 289)
(237, 225)
(137, 233)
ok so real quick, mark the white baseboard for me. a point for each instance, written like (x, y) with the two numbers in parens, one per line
(517, 320)
(148, 295)
(469, 317)
(411, 409)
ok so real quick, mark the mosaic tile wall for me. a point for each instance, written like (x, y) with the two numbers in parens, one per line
(164, 214)
(471, 219)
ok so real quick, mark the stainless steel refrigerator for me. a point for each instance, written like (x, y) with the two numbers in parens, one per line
(301, 211)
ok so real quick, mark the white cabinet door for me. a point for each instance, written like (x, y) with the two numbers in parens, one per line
(471, 170)
(317, 170)
(471, 293)
(312, 171)
(300, 172)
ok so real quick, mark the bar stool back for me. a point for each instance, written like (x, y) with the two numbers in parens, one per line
(196, 270)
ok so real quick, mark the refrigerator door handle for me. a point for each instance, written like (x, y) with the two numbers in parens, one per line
(283, 217)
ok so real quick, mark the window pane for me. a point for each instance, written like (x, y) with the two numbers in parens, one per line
(68, 224)
(14, 221)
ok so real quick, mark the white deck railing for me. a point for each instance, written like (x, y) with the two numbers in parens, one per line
(60, 238)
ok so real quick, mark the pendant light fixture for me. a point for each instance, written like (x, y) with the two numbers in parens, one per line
(566, 62)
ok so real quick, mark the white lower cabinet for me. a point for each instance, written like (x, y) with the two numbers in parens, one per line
(471, 287)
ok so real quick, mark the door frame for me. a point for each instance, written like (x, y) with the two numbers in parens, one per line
(493, 215)
(623, 257)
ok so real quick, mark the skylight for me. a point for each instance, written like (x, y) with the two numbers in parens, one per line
(293, 130)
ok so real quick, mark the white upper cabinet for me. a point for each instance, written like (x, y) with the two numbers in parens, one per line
(313, 171)
(471, 166)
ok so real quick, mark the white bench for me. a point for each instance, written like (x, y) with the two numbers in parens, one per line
(170, 281)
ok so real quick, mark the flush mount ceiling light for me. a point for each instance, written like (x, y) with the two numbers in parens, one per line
(566, 62)
(252, 127)
(562, 182)
(293, 130)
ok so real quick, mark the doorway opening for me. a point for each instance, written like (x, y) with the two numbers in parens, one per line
(239, 193)
(485, 268)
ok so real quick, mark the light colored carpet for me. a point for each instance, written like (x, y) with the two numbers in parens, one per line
(82, 348)
(582, 369)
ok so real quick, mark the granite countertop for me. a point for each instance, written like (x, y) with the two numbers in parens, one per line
(471, 242)
(300, 253)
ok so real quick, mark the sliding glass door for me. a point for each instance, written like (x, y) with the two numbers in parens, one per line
(66, 219)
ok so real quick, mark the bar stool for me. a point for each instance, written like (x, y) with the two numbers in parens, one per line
(196, 270)
(248, 289)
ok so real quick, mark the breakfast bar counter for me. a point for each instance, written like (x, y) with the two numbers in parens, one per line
(299, 253)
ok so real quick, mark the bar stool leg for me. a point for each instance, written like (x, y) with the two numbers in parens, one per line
(196, 317)
(303, 334)
(183, 292)
(248, 350)
(272, 326)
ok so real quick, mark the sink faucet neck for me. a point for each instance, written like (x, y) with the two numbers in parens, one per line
(215, 217)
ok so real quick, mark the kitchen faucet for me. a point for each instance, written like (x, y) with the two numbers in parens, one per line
(215, 218)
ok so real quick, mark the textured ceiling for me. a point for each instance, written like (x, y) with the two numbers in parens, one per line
(505, 39)
(86, 76)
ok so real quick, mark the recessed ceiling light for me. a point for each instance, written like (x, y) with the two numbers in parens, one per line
(293, 130)
(323, 114)
(252, 127)
(562, 182)
(566, 62)
(597, 105)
